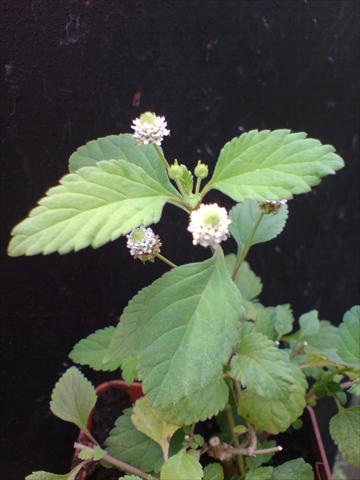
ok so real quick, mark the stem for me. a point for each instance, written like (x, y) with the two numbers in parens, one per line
(235, 439)
(124, 467)
(197, 187)
(161, 155)
(165, 260)
(242, 254)
(261, 451)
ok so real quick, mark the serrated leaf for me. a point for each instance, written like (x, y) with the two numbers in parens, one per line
(258, 460)
(41, 475)
(275, 416)
(150, 421)
(264, 321)
(128, 366)
(259, 366)
(181, 466)
(213, 471)
(73, 398)
(248, 216)
(293, 470)
(272, 165)
(309, 323)
(164, 325)
(324, 343)
(345, 431)
(348, 344)
(93, 206)
(355, 387)
(200, 405)
(262, 473)
(249, 283)
(282, 319)
(92, 349)
(128, 444)
(96, 454)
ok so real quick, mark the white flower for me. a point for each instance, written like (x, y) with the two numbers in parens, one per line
(150, 129)
(209, 225)
(143, 244)
(272, 206)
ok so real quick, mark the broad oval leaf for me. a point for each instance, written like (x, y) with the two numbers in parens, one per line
(272, 165)
(181, 329)
(181, 466)
(348, 344)
(259, 366)
(248, 216)
(345, 431)
(128, 444)
(73, 398)
(293, 470)
(93, 206)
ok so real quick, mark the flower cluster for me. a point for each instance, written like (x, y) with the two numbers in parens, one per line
(272, 206)
(143, 244)
(209, 225)
(150, 129)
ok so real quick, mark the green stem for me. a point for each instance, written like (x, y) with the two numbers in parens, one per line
(161, 155)
(235, 439)
(165, 260)
(242, 254)
(197, 187)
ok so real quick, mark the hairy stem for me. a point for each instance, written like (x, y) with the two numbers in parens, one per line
(243, 253)
(124, 467)
(165, 260)
(162, 156)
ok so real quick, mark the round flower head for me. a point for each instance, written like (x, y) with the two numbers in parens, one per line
(150, 129)
(209, 225)
(272, 206)
(143, 244)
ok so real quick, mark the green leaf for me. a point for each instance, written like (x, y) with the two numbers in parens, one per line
(324, 343)
(283, 319)
(264, 321)
(120, 147)
(255, 462)
(345, 431)
(348, 345)
(150, 421)
(244, 219)
(164, 325)
(355, 387)
(128, 444)
(309, 323)
(181, 466)
(260, 367)
(275, 416)
(129, 373)
(92, 349)
(213, 471)
(262, 473)
(272, 165)
(96, 454)
(248, 282)
(293, 470)
(41, 475)
(93, 206)
(200, 405)
(73, 398)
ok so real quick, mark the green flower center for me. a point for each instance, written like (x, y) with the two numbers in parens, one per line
(137, 236)
(212, 219)
(147, 118)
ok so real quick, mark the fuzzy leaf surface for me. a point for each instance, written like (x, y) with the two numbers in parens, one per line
(181, 466)
(93, 206)
(275, 416)
(73, 398)
(293, 470)
(244, 217)
(309, 324)
(259, 366)
(213, 471)
(272, 165)
(345, 431)
(262, 473)
(249, 283)
(92, 349)
(41, 475)
(128, 444)
(283, 319)
(348, 345)
(181, 330)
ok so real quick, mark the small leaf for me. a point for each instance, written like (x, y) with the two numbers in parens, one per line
(128, 444)
(260, 367)
(355, 387)
(150, 421)
(128, 366)
(345, 431)
(309, 323)
(41, 475)
(249, 284)
(240, 429)
(213, 471)
(73, 398)
(262, 473)
(293, 470)
(92, 349)
(348, 345)
(272, 165)
(247, 216)
(181, 466)
(283, 319)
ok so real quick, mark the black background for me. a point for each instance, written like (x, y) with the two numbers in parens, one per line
(71, 71)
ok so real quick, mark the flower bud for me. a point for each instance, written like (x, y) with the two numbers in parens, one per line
(175, 171)
(201, 170)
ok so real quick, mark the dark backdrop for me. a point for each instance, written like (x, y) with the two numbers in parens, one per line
(74, 70)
